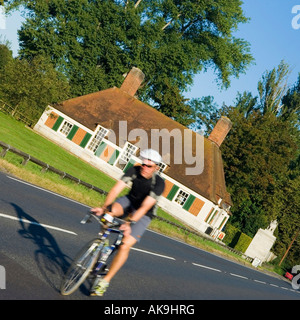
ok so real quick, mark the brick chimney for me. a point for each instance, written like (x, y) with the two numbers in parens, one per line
(220, 131)
(132, 81)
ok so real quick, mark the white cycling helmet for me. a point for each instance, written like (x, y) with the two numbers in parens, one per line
(152, 155)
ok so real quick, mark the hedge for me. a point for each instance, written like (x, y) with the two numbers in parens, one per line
(243, 243)
(236, 239)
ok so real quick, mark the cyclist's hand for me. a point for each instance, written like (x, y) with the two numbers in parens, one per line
(97, 211)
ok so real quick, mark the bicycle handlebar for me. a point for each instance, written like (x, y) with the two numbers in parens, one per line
(115, 223)
(88, 217)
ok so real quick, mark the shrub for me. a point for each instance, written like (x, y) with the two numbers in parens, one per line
(236, 239)
(243, 242)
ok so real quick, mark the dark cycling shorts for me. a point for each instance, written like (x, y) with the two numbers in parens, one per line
(138, 228)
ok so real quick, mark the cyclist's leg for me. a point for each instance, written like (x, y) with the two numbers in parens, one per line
(121, 206)
(100, 285)
(137, 230)
(116, 210)
(121, 257)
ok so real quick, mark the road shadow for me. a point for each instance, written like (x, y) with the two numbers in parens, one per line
(51, 261)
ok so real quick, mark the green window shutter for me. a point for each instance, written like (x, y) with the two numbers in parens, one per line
(189, 202)
(72, 132)
(172, 193)
(209, 214)
(58, 123)
(221, 224)
(129, 165)
(212, 216)
(100, 149)
(85, 140)
(114, 157)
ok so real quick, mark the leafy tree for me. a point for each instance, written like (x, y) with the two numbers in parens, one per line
(262, 161)
(246, 103)
(291, 102)
(29, 86)
(204, 114)
(6, 55)
(95, 42)
(272, 87)
(289, 222)
(257, 154)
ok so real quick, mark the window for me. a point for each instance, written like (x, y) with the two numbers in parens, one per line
(181, 197)
(66, 128)
(162, 167)
(129, 150)
(95, 142)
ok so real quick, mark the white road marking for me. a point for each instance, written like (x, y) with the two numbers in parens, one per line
(36, 223)
(202, 266)
(154, 254)
(263, 282)
(239, 276)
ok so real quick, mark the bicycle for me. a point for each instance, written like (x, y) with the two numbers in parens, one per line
(93, 259)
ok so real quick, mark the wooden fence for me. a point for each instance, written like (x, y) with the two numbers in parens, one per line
(45, 166)
(6, 108)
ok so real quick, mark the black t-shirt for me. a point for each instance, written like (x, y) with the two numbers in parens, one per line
(142, 187)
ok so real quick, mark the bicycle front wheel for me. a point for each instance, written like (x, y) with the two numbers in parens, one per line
(81, 266)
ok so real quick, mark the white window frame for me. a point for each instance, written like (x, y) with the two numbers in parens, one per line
(162, 167)
(125, 155)
(97, 138)
(181, 197)
(128, 151)
(66, 128)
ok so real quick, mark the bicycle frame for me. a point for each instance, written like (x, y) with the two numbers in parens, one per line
(101, 263)
(92, 259)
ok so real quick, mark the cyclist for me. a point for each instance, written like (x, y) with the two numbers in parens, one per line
(147, 186)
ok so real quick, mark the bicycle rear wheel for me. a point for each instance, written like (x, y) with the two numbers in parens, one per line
(81, 266)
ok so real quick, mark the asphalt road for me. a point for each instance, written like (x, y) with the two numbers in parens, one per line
(40, 233)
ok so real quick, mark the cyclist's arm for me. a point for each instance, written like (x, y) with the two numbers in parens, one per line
(146, 205)
(114, 192)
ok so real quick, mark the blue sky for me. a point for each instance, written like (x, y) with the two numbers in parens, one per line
(272, 39)
(271, 36)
